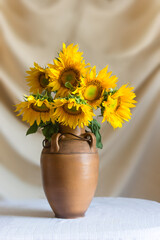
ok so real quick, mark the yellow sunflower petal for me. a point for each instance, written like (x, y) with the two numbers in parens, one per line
(69, 67)
(117, 107)
(35, 110)
(71, 113)
(37, 79)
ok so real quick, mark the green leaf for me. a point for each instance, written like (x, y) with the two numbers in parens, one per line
(110, 92)
(94, 126)
(69, 85)
(32, 129)
(42, 124)
(49, 130)
(78, 100)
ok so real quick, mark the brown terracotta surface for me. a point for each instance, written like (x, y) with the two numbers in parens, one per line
(70, 172)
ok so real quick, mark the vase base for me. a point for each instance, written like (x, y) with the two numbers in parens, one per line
(69, 216)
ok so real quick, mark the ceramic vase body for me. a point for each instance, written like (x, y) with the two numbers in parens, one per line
(70, 167)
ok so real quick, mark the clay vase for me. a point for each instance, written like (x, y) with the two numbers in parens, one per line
(70, 166)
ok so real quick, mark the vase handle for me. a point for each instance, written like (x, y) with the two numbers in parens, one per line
(88, 136)
(91, 139)
(54, 143)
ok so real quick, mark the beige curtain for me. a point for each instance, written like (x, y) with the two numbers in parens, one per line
(123, 34)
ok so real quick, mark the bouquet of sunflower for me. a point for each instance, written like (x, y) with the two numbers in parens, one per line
(68, 91)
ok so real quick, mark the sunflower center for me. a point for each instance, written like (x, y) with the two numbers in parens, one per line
(92, 92)
(43, 81)
(70, 76)
(42, 108)
(72, 111)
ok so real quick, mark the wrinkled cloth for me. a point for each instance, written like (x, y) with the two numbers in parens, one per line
(106, 219)
(123, 34)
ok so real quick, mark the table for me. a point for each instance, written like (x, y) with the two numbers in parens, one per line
(106, 219)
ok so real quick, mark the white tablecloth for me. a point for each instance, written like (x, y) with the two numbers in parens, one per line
(106, 219)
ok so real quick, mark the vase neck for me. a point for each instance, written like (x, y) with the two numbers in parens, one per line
(66, 129)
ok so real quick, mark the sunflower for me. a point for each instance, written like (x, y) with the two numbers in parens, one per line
(68, 69)
(93, 86)
(38, 79)
(35, 110)
(72, 114)
(117, 107)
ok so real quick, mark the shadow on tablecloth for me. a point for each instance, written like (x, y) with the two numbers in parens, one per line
(15, 211)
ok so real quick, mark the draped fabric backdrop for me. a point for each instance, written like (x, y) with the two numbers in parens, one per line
(123, 34)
